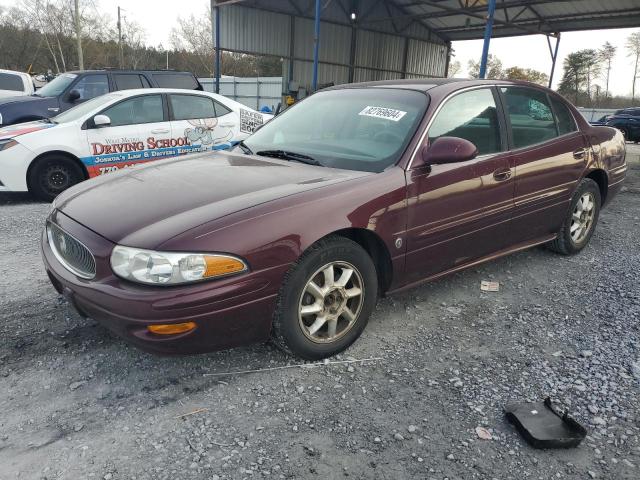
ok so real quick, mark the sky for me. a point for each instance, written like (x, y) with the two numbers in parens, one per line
(157, 17)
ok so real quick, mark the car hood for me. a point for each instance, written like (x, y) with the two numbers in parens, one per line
(148, 205)
(18, 129)
(24, 99)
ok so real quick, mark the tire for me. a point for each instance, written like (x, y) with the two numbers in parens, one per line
(575, 233)
(52, 175)
(307, 335)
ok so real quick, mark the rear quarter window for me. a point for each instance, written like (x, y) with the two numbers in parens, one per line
(11, 82)
(175, 80)
(566, 123)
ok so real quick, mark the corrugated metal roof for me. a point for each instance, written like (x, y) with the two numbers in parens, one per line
(465, 19)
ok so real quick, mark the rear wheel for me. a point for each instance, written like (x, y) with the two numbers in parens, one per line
(578, 227)
(52, 175)
(326, 299)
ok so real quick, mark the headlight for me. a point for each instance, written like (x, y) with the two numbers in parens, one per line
(6, 144)
(170, 268)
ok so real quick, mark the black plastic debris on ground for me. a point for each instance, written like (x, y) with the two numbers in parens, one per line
(544, 427)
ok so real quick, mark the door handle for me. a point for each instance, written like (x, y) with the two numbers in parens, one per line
(160, 130)
(579, 154)
(227, 124)
(502, 175)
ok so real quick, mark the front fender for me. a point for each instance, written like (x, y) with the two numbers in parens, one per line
(278, 232)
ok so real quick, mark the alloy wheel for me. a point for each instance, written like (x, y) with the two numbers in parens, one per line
(331, 302)
(582, 217)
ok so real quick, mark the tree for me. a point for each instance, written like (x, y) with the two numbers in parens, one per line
(454, 68)
(193, 35)
(580, 69)
(633, 49)
(494, 68)
(592, 66)
(528, 74)
(607, 54)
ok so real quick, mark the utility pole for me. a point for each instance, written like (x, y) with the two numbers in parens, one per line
(120, 57)
(78, 37)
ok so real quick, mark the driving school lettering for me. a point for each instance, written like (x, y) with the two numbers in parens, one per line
(137, 146)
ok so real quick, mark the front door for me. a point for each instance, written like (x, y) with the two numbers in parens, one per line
(88, 87)
(550, 154)
(139, 132)
(460, 212)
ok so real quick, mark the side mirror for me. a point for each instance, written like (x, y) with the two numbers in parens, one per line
(448, 150)
(74, 95)
(101, 121)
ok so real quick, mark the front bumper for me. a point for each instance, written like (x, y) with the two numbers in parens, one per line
(14, 163)
(228, 312)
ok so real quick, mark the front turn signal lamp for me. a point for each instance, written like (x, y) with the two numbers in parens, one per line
(171, 268)
(172, 328)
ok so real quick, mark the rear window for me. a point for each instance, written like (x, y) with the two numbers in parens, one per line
(175, 80)
(11, 82)
(190, 107)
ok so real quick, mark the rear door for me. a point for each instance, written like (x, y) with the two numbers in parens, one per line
(129, 81)
(459, 212)
(549, 153)
(139, 132)
(205, 123)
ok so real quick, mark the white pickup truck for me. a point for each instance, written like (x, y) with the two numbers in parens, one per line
(13, 84)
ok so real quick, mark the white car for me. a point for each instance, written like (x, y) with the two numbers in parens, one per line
(118, 130)
(15, 84)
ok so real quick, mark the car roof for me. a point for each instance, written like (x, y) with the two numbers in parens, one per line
(14, 72)
(425, 84)
(123, 70)
(157, 90)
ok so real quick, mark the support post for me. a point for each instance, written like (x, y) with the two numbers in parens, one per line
(487, 38)
(352, 53)
(217, 27)
(292, 36)
(316, 46)
(405, 57)
(554, 57)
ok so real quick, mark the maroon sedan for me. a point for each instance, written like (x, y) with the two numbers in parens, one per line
(357, 191)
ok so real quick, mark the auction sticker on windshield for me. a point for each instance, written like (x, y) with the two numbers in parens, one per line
(383, 112)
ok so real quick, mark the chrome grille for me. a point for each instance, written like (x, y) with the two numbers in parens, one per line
(71, 253)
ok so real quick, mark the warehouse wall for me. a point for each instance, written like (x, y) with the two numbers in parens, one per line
(377, 55)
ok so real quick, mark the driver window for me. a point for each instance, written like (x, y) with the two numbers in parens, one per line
(91, 86)
(470, 115)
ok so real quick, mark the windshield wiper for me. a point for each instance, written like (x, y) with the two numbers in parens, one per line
(244, 148)
(292, 156)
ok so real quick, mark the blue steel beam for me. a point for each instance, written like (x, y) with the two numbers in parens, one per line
(487, 38)
(316, 47)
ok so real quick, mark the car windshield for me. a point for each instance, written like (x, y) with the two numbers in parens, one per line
(79, 111)
(56, 86)
(364, 129)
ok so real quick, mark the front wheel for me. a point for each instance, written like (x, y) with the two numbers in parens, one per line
(578, 227)
(326, 299)
(52, 175)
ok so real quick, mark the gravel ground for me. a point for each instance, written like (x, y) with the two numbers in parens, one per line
(77, 402)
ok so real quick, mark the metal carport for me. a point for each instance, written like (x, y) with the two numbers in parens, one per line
(352, 40)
